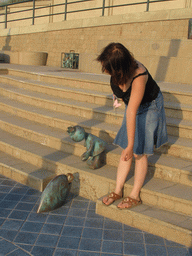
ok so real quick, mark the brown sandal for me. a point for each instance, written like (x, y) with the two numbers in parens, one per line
(131, 203)
(113, 196)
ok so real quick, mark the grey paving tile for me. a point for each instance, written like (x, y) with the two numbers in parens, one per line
(68, 242)
(5, 189)
(93, 245)
(2, 220)
(14, 197)
(57, 219)
(94, 233)
(61, 252)
(110, 224)
(26, 238)
(112, 247)
(152, 239)
(88, 253)
(12, 224)
(114, 235)
(26, 247)
(47, 240)
(177, 251)
(8, 234)
(156, 250)
(52, 229)
(77, 212)
(39, 251)
(133, 237)
(75, 221)
(25, 206)
(8, 204)
(94, 223)
(6, 247)
(30, 226)
(19, 215)
(19, 252)
(37, 217)
(135, 249)
(4, 213)
(70, 231)
(19, 190)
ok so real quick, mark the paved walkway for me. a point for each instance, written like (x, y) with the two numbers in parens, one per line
(72, 230)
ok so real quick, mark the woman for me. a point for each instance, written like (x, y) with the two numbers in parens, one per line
(144, 124)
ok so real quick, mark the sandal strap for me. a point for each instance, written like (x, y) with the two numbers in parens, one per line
(114, 196)
(131, 201)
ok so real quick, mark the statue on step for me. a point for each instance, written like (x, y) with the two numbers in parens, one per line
(55, 193)
(94, 145)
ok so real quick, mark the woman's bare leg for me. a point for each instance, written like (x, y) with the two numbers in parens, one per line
(122, 172)
(141, 166)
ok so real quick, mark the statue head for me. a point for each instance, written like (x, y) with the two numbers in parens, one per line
(77, 133)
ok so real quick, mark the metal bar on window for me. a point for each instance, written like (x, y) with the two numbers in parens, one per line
(65, 18)
(103, 8)
(33, 18)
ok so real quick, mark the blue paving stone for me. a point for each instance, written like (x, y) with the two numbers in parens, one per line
(112, 247)
(152, 239)
(68, 242)
(4, 213)
(26, 238)
(52, 229)
(75, 221)
(110, 224)
(6, 247)
(135, 249)
(61, 211)
(92, 214)
(92, 206)
(80, 204)
(12, 224)
(5, 189)
(24, 206)
(156, 250)
(8, 204)
(8, 234)
(19, 215)
(19, 252)
(37, 217)
(9, 182)
(114, 235)
(45, 251)
(129, 228)
(88, 254)
(93, 233)
(13, 197)
(133, 237)
(2, 220)
(19, 190)
(33, 192)
(94, 223)
(61, 252)
(177, 251)
(90, 245)
(32, 226)
(29, 199)
(2, 196)
(47, 240)
(25, 246)
(77, 212)
(72, 231)
(57, 219)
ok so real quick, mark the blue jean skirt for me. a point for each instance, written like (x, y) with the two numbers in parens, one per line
(150, 132)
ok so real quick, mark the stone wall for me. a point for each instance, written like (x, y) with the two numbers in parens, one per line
(158, 39)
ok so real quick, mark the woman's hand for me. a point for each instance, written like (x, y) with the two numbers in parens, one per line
(127, 154)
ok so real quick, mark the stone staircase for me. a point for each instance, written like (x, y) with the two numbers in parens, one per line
(35, 110)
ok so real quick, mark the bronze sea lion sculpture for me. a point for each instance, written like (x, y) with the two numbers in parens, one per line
(55, 193)
(94, 145)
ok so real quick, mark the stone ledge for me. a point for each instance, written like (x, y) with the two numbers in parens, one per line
(162, 15)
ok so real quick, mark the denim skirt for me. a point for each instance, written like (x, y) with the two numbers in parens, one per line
(150, 132)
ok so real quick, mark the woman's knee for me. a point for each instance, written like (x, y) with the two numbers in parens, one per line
(138, 157)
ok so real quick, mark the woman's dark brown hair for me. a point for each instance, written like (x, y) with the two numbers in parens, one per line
(118, 62)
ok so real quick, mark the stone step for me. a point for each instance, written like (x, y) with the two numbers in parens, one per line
(57, 138)
(169, 225)
(24, 172)
(174, 107)
(161, 193)
(68, 106)
(106, 114)
(175, 92)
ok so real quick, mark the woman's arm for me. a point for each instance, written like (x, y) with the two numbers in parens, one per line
(137, 92)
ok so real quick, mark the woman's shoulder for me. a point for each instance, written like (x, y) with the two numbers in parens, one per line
(141, 69)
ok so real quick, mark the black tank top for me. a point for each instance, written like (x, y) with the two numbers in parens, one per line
(150, 94)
